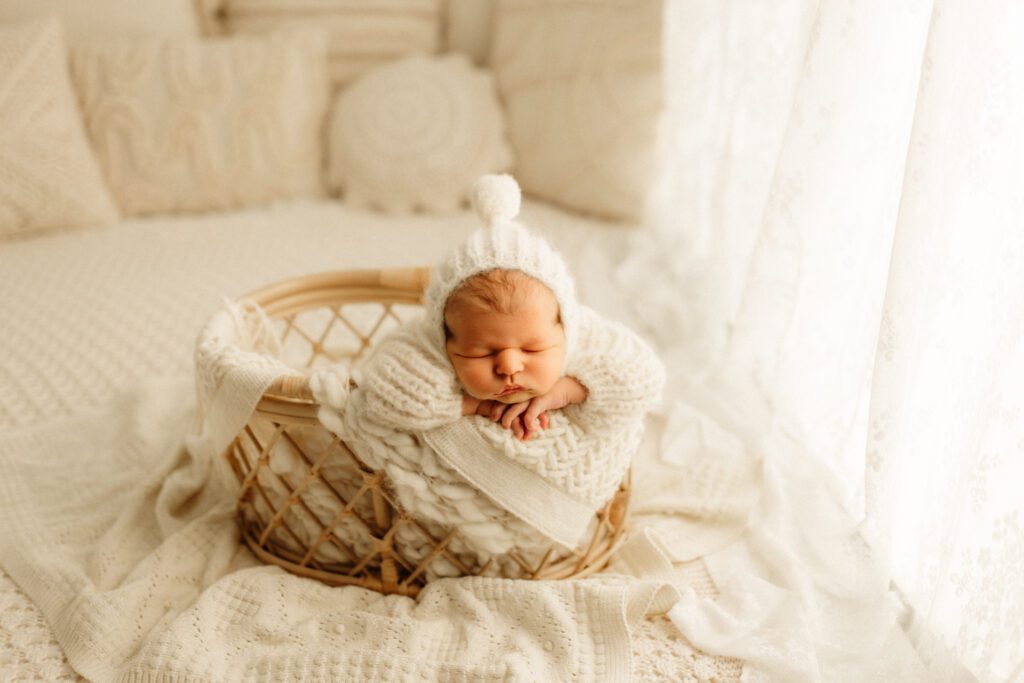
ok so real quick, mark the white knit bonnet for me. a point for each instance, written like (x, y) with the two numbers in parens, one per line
(502, 243)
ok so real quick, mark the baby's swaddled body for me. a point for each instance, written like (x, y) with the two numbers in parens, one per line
(507, 412)
(467, 472)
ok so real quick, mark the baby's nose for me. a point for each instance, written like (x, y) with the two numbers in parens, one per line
(508, 362)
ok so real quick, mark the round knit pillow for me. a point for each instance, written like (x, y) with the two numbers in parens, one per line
(415, 134)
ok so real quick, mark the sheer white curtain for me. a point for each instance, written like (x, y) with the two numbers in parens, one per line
(845, 209)
(945, 467)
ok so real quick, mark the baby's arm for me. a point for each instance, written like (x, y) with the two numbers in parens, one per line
(622, 374)
(407, 387)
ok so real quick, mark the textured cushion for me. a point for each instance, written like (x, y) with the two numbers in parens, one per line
(87, 20)
(581, 81)
(48, 176)
(362, 33)
(415, 134)
(185, 125)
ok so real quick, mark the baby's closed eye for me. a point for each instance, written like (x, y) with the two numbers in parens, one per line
(539, 350)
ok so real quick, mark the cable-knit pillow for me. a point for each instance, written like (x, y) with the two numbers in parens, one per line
(415, 134)
(189, 125)
(581, 83)
(48, 175)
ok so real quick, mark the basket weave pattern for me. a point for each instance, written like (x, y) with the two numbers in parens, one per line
(340, 521)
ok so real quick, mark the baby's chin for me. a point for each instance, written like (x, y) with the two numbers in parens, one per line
(515, 397)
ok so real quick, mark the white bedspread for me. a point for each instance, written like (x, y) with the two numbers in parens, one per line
(116, 534)
(111, 528)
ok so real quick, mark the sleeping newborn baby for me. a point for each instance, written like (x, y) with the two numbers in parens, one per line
(505, 340)
(508, 411)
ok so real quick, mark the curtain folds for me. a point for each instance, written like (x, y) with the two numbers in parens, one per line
(845, 205)
(945, 459)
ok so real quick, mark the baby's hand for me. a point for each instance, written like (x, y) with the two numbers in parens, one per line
(533, 414)
(486, 408)
(507, 413)
(513, 419)
(470, 405)
(493, 410)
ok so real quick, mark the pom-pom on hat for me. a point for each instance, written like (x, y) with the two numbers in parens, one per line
(496, 198)
(506, 244)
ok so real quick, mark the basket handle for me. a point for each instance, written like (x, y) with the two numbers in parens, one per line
(412, 279)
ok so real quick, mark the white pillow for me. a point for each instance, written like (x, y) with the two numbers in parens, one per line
(48, 175)
(581, 83)
(189, 125)
(362, 33)
(88, 20)
(415, 134)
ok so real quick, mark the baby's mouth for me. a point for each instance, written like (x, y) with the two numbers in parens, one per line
(512, 389)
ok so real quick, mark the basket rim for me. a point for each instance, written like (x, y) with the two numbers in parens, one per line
(411, 279)
(288, 394)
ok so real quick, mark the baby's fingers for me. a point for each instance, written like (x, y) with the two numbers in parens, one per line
(496, 410)
(544, 420)
(511, 413)
(517, 429)
(530, 419)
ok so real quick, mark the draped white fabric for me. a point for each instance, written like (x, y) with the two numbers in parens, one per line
(945, 467)
(844, 221)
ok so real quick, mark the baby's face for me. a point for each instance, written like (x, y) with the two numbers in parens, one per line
(507, 357)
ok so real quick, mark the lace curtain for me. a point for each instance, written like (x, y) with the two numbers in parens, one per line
(845, 204)
(945, 459)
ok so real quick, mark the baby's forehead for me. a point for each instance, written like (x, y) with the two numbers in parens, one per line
(507, 292)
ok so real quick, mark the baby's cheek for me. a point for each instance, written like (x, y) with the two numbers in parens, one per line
(553, 368)
(473, 378)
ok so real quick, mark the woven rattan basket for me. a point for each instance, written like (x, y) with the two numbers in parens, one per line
(336, 317)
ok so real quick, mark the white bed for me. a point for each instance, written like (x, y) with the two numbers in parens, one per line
(90, 315)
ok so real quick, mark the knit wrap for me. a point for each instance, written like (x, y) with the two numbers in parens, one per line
(469, 472)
